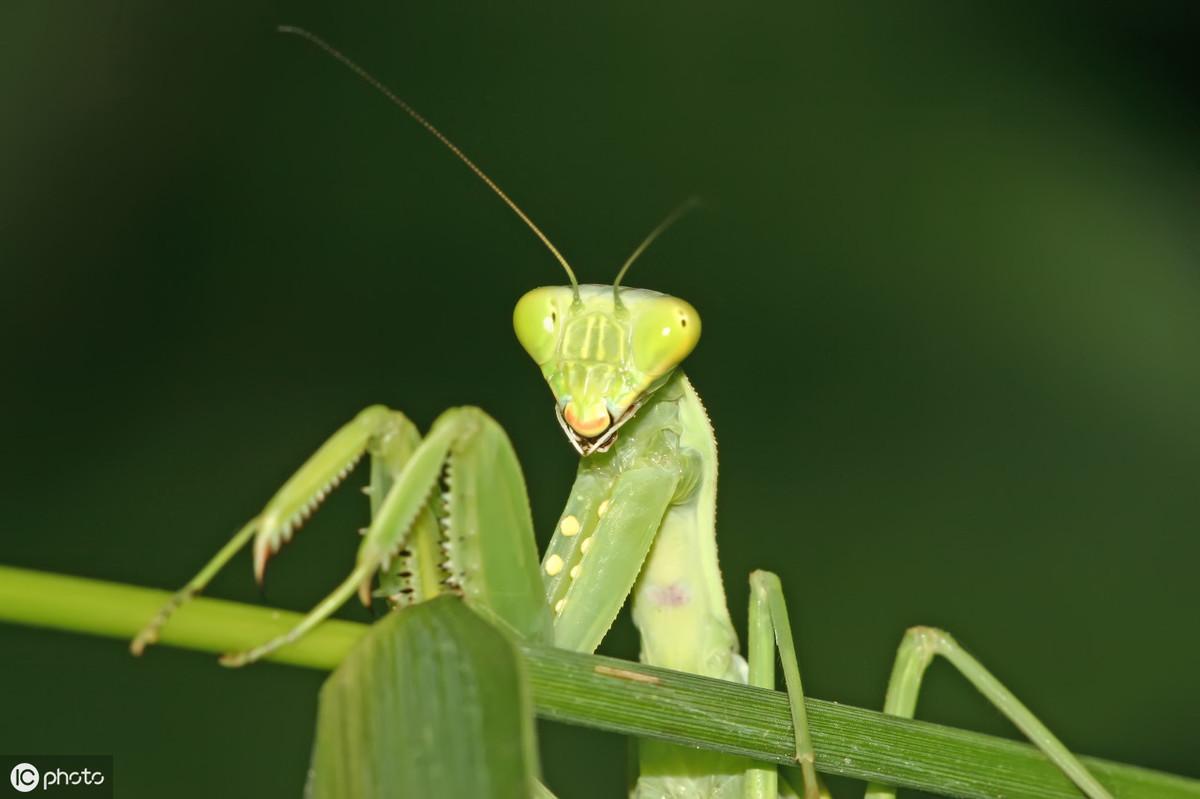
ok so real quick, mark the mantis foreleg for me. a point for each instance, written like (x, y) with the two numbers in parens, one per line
(497, 572)
(590, 571)
(387, 435)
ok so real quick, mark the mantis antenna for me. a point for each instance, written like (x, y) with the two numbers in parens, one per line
(672, 218)
(425, 123)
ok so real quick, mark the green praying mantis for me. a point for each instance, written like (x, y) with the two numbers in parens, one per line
(450, 514)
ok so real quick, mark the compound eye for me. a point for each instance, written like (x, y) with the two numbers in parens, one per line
(665, 333)
(537, 320)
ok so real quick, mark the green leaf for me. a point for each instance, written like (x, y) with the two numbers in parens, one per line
(432, 702)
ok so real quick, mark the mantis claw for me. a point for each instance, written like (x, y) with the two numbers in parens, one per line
(286, 513)
(149, 634)
(234, 660)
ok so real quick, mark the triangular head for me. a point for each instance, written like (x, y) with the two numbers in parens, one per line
(603, 351)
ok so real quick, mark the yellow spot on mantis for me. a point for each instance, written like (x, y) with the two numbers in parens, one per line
(575, 570)
(586, 545)
(603, 509)
(569, 526)
(559, 605)
(554, 565)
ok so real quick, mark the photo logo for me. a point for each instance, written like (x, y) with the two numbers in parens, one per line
(59, 775)
(24, 777)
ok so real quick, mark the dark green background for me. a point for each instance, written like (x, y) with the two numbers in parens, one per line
(947, 265)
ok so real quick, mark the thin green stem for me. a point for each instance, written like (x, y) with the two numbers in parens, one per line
(619, 696)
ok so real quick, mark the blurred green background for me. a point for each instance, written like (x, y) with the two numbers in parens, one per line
(947, 265)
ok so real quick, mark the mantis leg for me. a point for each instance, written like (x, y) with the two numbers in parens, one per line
(496, 573)
(769, 627)
(599, 547)
(386, 434)
(768, 618)
(917, 650)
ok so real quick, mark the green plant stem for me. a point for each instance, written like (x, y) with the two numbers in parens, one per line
(619, 696)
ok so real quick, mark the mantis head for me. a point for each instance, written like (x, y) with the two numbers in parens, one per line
(603, 350)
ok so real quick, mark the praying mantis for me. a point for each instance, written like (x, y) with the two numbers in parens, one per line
(450, 514)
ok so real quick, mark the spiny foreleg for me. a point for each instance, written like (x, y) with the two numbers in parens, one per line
(387, 435)
(485, 551)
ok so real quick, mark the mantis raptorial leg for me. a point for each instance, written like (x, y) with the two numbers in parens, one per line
(639, 522)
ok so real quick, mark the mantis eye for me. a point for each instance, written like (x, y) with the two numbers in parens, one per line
(664, 334)
(537, 320)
